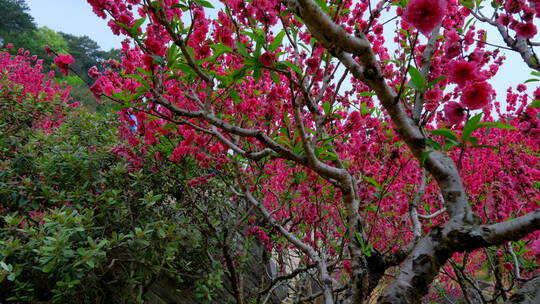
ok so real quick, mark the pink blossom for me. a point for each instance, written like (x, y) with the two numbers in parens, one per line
(48, 50)
(526, 30)
(154, 46)
(477, 95)
(148, 60)
(514, 6)
(267, 59)
(312, 65)
(433, 95)
(425, 15)
(521, 87)
(347, 266)
(63, 61)
(454, 113)
(462, 72)
(536, 93)
(505, 19)
(536, 247)
(93, 72)
(452, 49)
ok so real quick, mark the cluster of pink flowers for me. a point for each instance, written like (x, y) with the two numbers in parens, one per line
(476, 93)
(524, 28)
(425, 15)
(26, 71)
(63, 61)
(261, 235)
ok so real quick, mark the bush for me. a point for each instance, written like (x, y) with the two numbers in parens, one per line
(77, 225)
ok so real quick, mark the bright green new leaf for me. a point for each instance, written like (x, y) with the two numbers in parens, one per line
(417, 78)
(277, 41)
(445, 133)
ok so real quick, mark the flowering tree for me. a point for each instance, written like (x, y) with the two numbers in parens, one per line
(383, 172)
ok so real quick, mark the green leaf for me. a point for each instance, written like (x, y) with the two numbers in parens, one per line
(496, 125)
(293, 66)
(204, 3)
(277, 41)
(433, 144)
(327, 107)
(450, 143)
(180, 6)
(445, 133)
(47, 268)
(417, 78)
(138, 23)
(365, 110)
(123, 26)
(235, 96)
(185, 68)
(424, 157)
(485, 146)
(257, 73)
(171, 54)
(241, 49)
(436, 80)
(275, 77)
(364, 94)
(535, 104)
(467, 3)
(6, 266)
(322, 4)
(372, 181)
(470, 127)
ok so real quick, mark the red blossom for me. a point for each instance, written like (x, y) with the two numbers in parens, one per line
(93, 72)
(526, 30)
(267, 59)
(48, 50)
(454, 113)
(514, 6)
(462, 72)
(312, 65)
(505, 19)
(148, 60)
(477, 95)
(433, 95)
(63, 61)
(425, 15)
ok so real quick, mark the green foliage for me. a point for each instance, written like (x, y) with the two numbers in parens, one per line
(46, 36)
(76, 226)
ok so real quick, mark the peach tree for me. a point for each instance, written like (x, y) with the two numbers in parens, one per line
(366, 134)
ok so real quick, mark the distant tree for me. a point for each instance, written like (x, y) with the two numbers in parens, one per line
(14, 19)
(35, 41)
(111, 54)
(46, 36)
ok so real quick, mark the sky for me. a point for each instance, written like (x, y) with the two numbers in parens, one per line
(73, 17)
